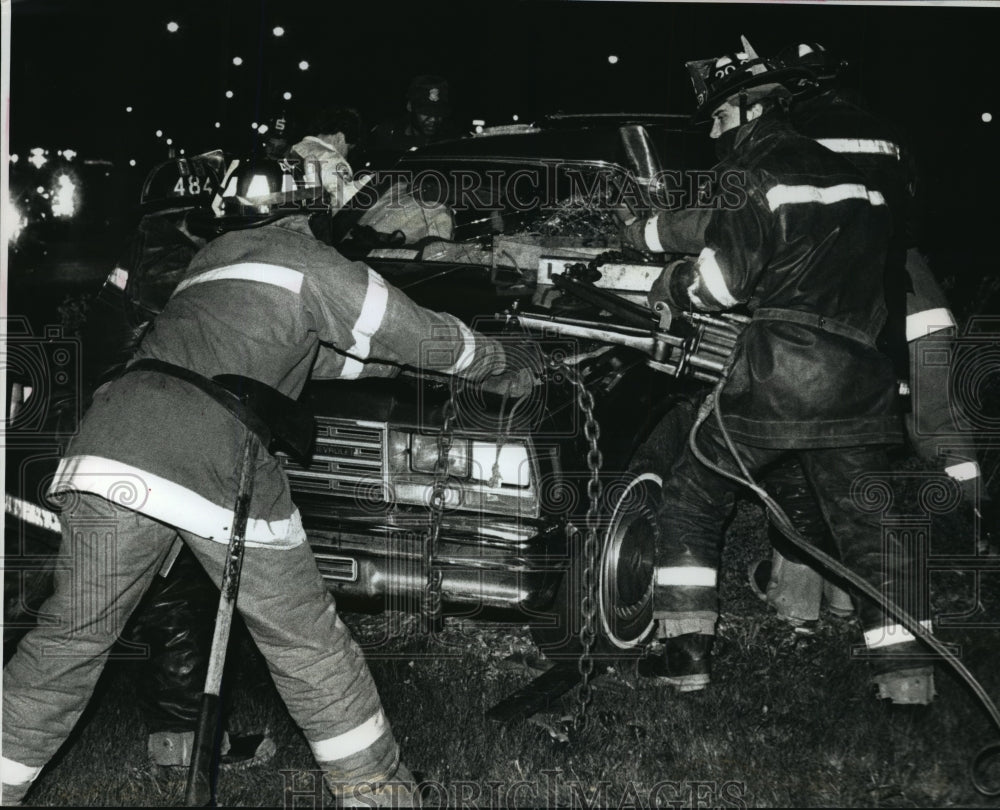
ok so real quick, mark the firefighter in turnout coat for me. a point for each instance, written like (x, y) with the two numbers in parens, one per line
(917, 316)
(804, 251)
(154, 460)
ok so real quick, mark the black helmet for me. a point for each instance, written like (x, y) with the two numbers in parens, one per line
(745, 73)
(182, 182)
(820, 67)
(253, 193)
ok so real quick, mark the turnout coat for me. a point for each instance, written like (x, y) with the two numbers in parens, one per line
(803, 246)
(274, 304)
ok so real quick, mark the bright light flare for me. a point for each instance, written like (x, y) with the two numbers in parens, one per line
(128, 109)
(278, 31)
(287, 96)
(69, 154)
(237, 60)
(13, 222)
(173, 27)
(159, 133)
(987, 117)
(64, 197)
(38, 158)
(303, 65)
(612, 60)
(229, 94)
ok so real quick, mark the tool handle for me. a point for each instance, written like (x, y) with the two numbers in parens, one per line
(198, 792)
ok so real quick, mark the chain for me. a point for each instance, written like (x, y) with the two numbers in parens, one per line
(431, 608)
(588, 601)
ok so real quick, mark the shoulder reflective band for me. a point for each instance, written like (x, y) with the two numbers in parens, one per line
(369, 321)
(966, 471)
(890, 634)
(711, 274)
(795, 195)
(686, 575)
(31, 513)
(860, 146)
(652, 234)
(350, 742)
(273, 274)
(921, 324)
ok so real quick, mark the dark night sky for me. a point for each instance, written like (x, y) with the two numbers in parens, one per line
(77, 64)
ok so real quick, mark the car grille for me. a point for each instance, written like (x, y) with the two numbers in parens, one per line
(348, 460)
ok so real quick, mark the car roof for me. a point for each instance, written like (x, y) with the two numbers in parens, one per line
(590, 137)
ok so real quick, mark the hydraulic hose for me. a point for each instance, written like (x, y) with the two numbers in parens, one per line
(786, 527)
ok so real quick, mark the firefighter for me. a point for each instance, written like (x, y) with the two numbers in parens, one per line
(918, 316)
(155, 458)
(920, 320)
(804, 251)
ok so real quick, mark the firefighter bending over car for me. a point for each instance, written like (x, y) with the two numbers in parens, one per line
(806, 251)
(155, 460)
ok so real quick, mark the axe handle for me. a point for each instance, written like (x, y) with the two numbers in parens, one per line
(199, 784)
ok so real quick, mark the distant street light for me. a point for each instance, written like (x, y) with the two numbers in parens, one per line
(172, 27)
(612, 60)
(237, 60)
(287, 96)
(278, 31)
(132, 162)
(229, 94)
(987, 117)
(303, 65)
(128, 109)
(218, 124)
(159, 133)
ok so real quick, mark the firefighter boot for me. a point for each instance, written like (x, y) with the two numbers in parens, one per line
(684, 663)
(913, 686)
(399, 790)
(794, 590)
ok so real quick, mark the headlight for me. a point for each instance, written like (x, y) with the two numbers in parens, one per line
(474, 461)
(480, 477)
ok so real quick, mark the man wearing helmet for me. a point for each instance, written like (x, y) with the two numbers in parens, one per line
(804, 252)
(918, 316)
(155, 459)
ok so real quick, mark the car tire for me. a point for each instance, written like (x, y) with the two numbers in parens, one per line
(624, 575)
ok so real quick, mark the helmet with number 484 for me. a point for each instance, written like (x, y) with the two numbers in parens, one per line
(182, 182)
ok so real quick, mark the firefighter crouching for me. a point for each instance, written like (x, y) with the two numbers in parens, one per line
(155, 459)
(806, 249)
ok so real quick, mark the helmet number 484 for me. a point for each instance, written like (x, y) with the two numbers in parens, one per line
(194, 186)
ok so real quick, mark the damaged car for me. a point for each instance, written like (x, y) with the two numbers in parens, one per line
(426, 497)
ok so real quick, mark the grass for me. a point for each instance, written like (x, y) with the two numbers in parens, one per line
(788, 721)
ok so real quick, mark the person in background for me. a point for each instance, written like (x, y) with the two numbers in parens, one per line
(427, 119)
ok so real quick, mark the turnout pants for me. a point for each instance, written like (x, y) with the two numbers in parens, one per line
(697, 502)
(109, 556)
